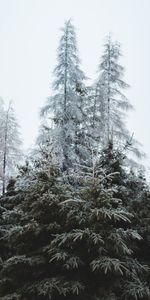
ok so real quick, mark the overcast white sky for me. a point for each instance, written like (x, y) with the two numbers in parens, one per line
(29, 35)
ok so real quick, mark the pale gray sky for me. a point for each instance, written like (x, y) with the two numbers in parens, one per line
(29, 35)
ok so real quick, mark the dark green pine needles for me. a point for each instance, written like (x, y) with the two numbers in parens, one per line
(56, 245)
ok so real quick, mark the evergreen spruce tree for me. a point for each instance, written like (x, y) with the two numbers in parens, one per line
(96, 111)
(106, 106)
(133, 189)
(60, 247)
(65, 107)
(29, 219)
(109, 104)
(10, 145)
(91, 241)
(111, 79)
(139, 193)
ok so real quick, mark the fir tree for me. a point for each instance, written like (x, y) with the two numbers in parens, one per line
(10, 144)
(108, 103)
(62, 247)
(65, 107)
(29, 220)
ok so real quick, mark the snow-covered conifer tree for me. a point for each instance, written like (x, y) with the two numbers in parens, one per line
(65, 106)
(111, 102)
(10, 142)
(97, 115)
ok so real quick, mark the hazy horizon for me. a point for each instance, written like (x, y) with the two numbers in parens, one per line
(30, 32)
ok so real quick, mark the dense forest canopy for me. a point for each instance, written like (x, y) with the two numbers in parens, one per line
(74, 220)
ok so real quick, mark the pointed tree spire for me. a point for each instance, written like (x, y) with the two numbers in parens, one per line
(65, 106)
(111, 74)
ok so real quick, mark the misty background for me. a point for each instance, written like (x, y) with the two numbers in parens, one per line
(29, 35)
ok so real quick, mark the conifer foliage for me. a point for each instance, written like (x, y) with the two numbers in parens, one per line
(82, 238)
(108, 104)
(64, 108)
(81, 119)
(56, 246)
(10, 144)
